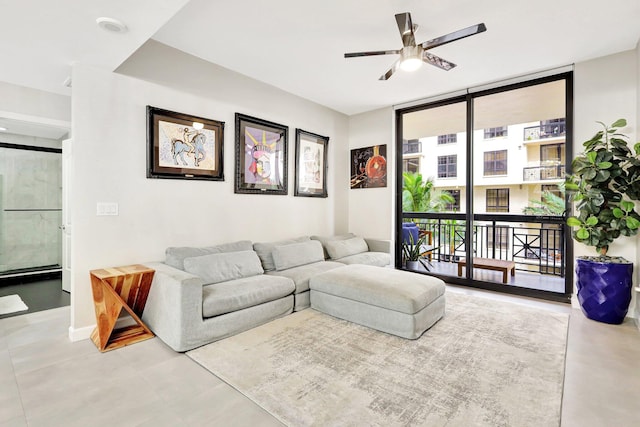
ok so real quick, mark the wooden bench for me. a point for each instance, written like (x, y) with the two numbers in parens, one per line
(490, 264)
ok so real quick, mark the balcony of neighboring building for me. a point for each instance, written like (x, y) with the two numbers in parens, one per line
(545, 132)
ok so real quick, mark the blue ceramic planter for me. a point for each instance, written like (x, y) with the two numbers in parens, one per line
(604, 289)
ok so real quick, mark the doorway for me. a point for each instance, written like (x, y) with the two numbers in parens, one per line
(494, 163)
(31, 214)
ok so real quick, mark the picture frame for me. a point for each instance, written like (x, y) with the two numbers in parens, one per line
(183, 146)
(311, 164)
(369, 167)
(261, 156)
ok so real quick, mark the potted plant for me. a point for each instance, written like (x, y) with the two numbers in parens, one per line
(604, 183)
(412, 251)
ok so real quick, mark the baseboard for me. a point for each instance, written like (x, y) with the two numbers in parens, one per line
(85, 333)
(80, 334)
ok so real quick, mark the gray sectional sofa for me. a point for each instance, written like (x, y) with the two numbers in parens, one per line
(203, 294)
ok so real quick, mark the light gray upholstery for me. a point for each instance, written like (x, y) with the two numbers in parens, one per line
(265, 250)
(393, 301)
(234, 295)
(301, 275)
(216, 268)
(296, 254)
(378, 254)
(342, 248)
(379, 259)
(325, 239)
(174, 311)
(175, 255)
(410, 326)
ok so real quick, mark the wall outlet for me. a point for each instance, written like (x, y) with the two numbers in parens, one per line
(103, 208)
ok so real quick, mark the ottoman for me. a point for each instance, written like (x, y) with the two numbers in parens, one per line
(393, 301)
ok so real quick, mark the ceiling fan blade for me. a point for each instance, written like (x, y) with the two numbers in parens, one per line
(456, 35)
(392, 70)
(406, 29)
(437, 61)
(372, 53)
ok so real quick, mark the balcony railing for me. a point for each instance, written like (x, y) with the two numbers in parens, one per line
(543, 173)
(535, 247)
(411, 147)
(547, 130)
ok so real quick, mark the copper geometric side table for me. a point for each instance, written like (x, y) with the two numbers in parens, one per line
(113, 289)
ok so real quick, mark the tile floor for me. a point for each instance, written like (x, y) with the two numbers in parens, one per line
(46, 380)
(38, 295)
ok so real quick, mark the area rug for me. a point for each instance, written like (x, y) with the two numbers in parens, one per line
(486, 363)
(11, 304)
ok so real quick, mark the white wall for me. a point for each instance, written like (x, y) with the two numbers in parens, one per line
(606, 89)
(24, 101)
(371, 210)
(109, 163)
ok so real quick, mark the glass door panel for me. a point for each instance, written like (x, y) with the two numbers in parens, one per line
(434, 159)
(518, 158)
(30, 210)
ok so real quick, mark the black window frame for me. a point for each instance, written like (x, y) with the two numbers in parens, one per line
(497, 207)
(448, 166)
(407, 160)
(449, 138)
(496, 132)
(494, 171)
(455, 206)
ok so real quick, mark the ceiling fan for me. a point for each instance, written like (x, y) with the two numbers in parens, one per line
(411, 55)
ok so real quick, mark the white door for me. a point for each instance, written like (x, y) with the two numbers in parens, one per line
(66, 215)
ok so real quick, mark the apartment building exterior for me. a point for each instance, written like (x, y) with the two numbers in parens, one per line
(512, 164)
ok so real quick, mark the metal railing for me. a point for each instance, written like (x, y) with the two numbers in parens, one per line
(411, 147)
(535, 244)
(542, 173)
(546, 130)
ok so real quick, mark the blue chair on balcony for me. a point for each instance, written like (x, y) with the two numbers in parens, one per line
(411, 233)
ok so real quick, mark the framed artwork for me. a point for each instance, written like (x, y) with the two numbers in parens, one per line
(181, 146)
(369, 167)
(261, 156)
(311, 164)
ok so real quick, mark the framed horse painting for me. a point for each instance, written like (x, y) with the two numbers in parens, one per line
(261, 156)
(181, 146)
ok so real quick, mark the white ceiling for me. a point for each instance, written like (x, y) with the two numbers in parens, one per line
(298, 46)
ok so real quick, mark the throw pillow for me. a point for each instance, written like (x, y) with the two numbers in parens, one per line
(341, 248)
(325, 239)
(265, 250)
(175, 256)
(222, 267)
(295, 254)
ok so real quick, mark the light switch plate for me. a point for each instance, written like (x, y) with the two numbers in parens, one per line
(103, 209)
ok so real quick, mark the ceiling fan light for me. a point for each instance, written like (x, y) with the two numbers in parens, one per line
(411, 64)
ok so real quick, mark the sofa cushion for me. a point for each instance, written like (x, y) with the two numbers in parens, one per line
(301, 274)
(175, 255)
(265, 250)
(216, 268)
(341, 248)
(296, 254)
(234, 295)
(325, 239)
(379, 259)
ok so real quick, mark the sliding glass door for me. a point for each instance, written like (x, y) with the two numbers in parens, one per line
(30, 209)
(492, 165)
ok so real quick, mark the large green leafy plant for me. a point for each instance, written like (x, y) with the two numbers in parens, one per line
(604, 184)
(419, 195)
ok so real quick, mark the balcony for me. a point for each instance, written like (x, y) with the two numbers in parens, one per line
(545, 130)
(412, 147)
(535, 244)
(542, 173)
